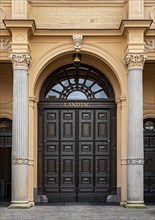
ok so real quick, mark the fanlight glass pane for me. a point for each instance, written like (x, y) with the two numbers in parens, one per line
(81, 81)
(89, 83)
(58, 87)
(51, 94)
(101, 95)
(77, 95)
(65, 83)
(95, 87)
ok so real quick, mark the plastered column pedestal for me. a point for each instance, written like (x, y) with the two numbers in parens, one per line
(20, 161)
(135, 151)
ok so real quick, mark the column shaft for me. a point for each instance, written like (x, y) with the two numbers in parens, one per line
(135, 158)
(20, 150)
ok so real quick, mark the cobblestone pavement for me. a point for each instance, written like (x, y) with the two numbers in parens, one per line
(74, 211)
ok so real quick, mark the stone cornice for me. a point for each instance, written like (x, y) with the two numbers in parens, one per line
(135, 61)
(133, 23)
(20, 61)
(31, 26)
(22, 24)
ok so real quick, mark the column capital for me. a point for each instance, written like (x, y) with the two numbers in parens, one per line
(20, 61)
(135, 61)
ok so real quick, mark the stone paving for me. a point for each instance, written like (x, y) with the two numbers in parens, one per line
(77, 211)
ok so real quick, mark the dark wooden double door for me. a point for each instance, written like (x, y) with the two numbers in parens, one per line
(149, 167)
(79, 162)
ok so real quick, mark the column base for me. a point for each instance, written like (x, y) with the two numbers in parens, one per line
(136, 205)
(16, 205)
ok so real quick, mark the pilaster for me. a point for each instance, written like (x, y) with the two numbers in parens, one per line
(136, 9)
(122, 107)
(20, 9)
(32, 147)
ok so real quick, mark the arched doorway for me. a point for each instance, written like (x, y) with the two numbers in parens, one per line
(77, 136)
(149, 160)
(5, 158)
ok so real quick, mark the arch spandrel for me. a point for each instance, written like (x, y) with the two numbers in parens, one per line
(102, 59)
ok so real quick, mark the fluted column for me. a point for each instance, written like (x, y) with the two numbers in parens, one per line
(135, 151)
(20, 154)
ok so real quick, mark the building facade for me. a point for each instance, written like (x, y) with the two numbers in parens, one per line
(77, 101)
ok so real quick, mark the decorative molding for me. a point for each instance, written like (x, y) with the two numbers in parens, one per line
(150, 44)
(20, 161)
(33, 102)
(5, 44)
(136, 37)
(77, 39)
(20, 61)
(152, 14)
(2, 14)
(135, 161)
(135, 61)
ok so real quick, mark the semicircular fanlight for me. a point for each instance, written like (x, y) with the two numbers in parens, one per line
(70, 83)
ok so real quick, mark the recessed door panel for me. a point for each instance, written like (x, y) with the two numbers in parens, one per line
(102, 125)
(68, 125)
(51, 125)
(86, 125)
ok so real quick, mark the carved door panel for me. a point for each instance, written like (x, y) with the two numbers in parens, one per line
(86, 155)
(51, 153)
(67, 156)
(149, 167)
(102, 153)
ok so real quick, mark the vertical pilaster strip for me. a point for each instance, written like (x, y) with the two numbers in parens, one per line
(135, 152)
(20, 152)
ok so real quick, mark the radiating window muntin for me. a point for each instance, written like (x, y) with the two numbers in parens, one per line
(70, 84)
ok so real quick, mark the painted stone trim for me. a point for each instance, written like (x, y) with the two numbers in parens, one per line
(77, 39)
(135, 161)
(150, 44)
(20, 61)
(135, 61)
(20, 161)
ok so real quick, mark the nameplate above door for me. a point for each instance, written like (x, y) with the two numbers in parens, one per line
(76, 104)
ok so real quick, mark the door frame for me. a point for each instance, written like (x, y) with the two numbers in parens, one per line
(77, 104)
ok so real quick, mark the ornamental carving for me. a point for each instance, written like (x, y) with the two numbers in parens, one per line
(77, 39)
(4, 44)
(20, 161)
(20, 61)
(135, 161)
(135, 61)
(150, 44)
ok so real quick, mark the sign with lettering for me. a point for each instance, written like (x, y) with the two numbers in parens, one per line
(77, 17)
(76, 104)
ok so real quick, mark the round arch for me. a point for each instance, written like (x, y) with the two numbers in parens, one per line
(102, 59)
